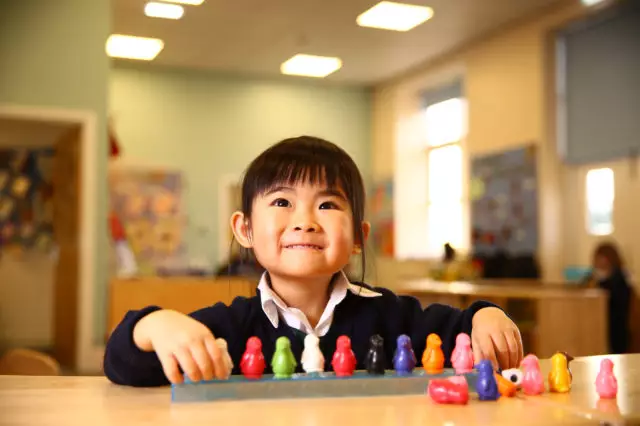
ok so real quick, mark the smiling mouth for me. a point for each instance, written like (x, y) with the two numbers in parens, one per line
(303, 247)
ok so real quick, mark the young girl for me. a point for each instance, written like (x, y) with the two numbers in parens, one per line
(608, 273)
(302, 215)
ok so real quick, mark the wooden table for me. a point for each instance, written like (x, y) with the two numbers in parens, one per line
(93, 401)
(551, 317)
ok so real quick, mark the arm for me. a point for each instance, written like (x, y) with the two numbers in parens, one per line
(130, 357)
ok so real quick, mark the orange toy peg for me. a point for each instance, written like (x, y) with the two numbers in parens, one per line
(505, 387)
(433, 357)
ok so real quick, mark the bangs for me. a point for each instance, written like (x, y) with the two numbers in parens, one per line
(304, 160)
(298, 171)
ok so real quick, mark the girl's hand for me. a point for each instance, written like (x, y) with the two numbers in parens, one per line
(180, 341)
(496, 338)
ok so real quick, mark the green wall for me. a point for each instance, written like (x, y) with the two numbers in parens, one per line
(211, 125)
(52, 54)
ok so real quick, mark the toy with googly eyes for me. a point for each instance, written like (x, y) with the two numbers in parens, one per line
(514, 375)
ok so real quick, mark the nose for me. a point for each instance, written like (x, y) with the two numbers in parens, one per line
(304, 222)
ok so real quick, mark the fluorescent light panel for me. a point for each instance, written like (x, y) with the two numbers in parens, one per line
(189, 2)
(310, 65)
(163, 10)
(591, 2)
(132, 47)
(388, 15)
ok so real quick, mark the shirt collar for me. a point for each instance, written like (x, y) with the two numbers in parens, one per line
(273, 305)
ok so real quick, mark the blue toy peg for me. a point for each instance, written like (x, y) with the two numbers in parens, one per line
(404, 360)
(487, 387)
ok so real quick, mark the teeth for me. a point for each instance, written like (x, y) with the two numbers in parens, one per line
(304, 246)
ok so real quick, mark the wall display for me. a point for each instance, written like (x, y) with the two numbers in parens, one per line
(504, 203)
(147, 206)
(26, 203)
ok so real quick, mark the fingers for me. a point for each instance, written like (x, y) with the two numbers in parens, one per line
(483, 349)
(501, 349)
(215, 355)
(519, 348)
(188, 364)
(477, 353)
(203, 360)
(170, 368)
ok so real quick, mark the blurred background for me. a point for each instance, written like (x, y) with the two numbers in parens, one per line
(498, 140)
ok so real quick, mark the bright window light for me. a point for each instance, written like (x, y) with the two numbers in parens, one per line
(311, 66)
(163, 10)
(591, 2)
(393, 16)
(131, 47)
(600, 194)
(189, 2)
(445, 174)
(445, 122)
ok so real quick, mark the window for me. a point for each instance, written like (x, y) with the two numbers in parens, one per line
(430, 206)
(599, 194)
(445, 128)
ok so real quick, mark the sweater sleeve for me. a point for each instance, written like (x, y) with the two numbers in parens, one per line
(126, 364)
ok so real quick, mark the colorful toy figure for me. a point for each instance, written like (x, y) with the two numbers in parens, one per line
(532, 381)
(486, 386)
(312, 358)
(462, 355)
(252, 363)
(376, 360)
(283, 362)
(505, 386)
(433, 357)
(606, 382)
(559, 376)
(453, 390)
(344, 360)
(404, 360)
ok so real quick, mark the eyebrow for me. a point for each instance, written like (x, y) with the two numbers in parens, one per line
(329, 192)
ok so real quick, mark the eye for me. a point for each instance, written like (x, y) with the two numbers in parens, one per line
(329, 205)
(281, 202)
(514, 375)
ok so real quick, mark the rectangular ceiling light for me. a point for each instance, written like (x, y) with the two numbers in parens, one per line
(189, 2)
(310, 65)
(591, 2)
(388, 15)
(163, 10)
(131, 47)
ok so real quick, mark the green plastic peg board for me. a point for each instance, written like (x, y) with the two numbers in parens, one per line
(322, 385)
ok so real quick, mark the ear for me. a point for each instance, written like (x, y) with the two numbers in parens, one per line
(366, 228)
(241, 229)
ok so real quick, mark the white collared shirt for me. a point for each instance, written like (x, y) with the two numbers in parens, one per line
(274, 307)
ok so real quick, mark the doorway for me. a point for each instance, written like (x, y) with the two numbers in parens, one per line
(46, 256)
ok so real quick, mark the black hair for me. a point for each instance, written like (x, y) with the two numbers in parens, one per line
(311, 160)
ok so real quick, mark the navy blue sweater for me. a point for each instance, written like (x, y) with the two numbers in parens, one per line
(357, 317)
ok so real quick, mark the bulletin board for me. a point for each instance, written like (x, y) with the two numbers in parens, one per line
(26, 199)
(148, 204)
(504, 203)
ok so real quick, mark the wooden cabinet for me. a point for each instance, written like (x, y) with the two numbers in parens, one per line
(550, 317)
(183, 294)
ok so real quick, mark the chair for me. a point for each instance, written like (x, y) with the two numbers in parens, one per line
(27, 362)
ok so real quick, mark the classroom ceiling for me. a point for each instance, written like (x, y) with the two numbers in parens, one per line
(255, 36)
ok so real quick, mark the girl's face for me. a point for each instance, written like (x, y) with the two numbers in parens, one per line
(602, 267)
(300, 231)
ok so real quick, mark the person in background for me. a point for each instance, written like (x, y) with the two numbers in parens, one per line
(608, 273)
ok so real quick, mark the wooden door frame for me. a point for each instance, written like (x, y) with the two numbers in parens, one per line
(88, 353)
